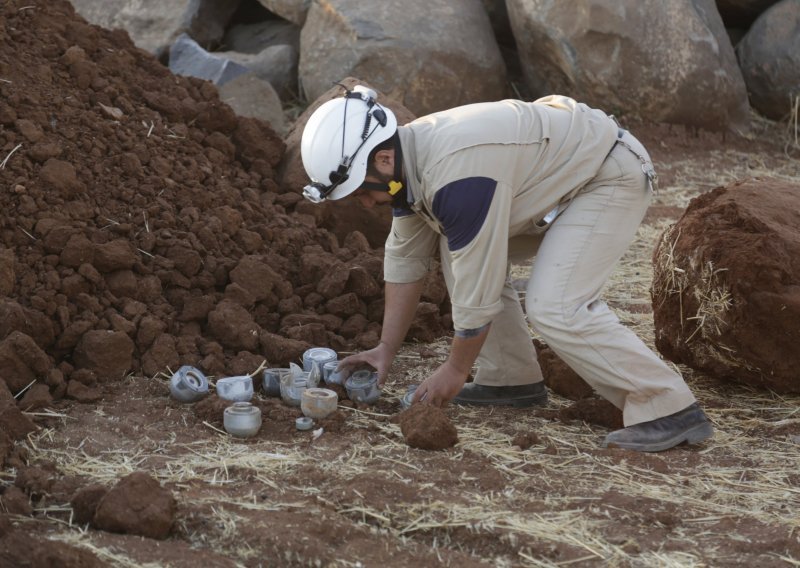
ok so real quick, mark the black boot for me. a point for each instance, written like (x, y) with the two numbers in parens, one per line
(519, 396)
(690, 425)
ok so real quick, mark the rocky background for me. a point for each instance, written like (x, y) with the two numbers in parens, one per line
(151, 214)
(694, 62)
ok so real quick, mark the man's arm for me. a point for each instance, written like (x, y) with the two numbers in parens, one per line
(400, 307)
(449, 378)
(398, 312)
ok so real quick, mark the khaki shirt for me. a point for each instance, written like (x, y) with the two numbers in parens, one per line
(528, 157)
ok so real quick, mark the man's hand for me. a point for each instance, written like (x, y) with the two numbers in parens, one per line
(379, 358)
(440, 388)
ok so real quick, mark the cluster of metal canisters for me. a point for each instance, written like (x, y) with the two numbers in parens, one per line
(296, 386)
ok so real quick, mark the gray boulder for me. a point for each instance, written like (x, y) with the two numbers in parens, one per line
(427, 54)
(769, 56)
(293, 10)
(250, 96)
(276, 64)
(186, 57)
(154, 24)
(254, 38)
(666, 61)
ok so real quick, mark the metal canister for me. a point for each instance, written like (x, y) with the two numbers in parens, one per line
(292, 390)
(188, 384)
(318, 355)
(242, 420)
(271, 381)
(235, 389)
(362, 386)
(318, 403)
(408, 397)
(331, 376)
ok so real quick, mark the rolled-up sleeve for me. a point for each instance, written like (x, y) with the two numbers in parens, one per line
(474, 214)
(410, 250)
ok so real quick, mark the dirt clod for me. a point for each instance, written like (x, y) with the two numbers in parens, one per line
(428, 428)
(138, 505)
(85, 501)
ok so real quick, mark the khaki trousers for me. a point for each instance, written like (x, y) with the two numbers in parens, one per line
(574, 260)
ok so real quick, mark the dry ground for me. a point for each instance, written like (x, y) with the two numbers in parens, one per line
(356, 495)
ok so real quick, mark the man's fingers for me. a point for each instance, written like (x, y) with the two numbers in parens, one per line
(348, 363)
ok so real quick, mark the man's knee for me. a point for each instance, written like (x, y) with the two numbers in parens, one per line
(546, 315)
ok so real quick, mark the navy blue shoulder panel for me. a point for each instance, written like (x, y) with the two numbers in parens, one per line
(401, 212)
(461, 207)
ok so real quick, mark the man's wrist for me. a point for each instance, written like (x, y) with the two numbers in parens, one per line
(457, 368)
(392, 350)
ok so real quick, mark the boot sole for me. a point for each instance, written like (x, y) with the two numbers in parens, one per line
(693, 435)
(514, 402)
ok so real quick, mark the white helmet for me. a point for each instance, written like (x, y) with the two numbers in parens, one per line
(337, 140)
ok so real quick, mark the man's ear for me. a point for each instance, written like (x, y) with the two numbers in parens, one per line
(385, 157)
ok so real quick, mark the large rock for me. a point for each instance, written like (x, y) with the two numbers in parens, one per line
(293, 10)
(154, 24)
(255, 37)
(186, 57)
(665, 61)
(447, 58)
(769, 56)
(345, 215)
(251, 96)
(276, 64)
(726, 285)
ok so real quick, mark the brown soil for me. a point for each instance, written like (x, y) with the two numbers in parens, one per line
(136, 242)
(726, 293)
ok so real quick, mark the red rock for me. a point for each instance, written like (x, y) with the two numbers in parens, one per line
(60, 176)
(36, 397)
(107, 353)
(114, 255)
(138, 505)
(280, 351)
(233, 326)
(345, 305)
(85, 501)
(82, 393)
(14, 423)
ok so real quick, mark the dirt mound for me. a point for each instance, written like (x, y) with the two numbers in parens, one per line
(142, 227)
(725, 294)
